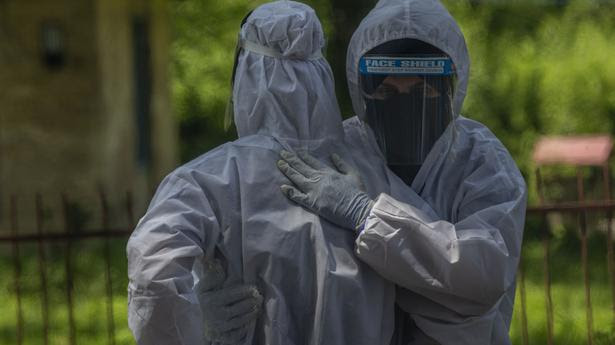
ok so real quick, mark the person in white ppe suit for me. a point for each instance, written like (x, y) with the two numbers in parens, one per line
(452, 242)
(221, 256)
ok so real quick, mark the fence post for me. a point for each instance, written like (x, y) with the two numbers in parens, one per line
(69, 272)
(42, 267)
(583, 224)
(609, 231)
(524, 332)
(129, 210)
(105, 223)
(546, 254)
(17, 263)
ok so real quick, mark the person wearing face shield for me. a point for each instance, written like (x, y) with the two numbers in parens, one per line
(221, 256)
(449, 231)
(407, 88)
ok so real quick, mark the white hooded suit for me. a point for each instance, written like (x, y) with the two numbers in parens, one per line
(452, 243)
(227, 204)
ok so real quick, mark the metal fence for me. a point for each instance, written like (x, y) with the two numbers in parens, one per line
(105, 232)
(581, 210)
(68, 237)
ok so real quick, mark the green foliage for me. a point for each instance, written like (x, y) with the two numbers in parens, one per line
(540, 70)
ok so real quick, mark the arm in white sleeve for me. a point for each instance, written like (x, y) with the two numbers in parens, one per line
(467, 265)
(163, 307)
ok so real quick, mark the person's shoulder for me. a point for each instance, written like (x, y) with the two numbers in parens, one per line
(208, 161)
(486, 149)
(478, 136)
(474, 129)
(215, 162)
(190, 176)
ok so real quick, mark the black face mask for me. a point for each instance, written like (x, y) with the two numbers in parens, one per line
(407, 126)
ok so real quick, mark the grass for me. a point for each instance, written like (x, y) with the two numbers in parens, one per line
(567, 291)
(89, 294)
(90, 298)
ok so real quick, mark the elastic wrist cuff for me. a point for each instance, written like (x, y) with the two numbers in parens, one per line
(365, 210)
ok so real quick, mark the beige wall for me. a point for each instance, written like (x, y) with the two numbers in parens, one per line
(46, 115)
(115, 39)
(164, 130)
(74, 129)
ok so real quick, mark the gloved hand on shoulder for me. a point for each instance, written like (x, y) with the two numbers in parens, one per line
(337, 195)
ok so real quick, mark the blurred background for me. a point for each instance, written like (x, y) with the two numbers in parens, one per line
(100, 99)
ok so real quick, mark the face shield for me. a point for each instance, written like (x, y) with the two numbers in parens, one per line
(408, 103)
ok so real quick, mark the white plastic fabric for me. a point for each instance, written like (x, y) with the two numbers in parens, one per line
(227, 204)
(452, 242)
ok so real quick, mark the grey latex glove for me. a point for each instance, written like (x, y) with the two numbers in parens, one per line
(337, 195)
(228, 312)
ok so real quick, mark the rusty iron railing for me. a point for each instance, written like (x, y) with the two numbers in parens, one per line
(67, 237)
(581, 209)
(578, 152)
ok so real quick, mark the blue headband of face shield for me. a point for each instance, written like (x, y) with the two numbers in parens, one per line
(406, 66)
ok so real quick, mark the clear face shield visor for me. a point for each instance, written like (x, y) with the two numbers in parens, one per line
(408, 103)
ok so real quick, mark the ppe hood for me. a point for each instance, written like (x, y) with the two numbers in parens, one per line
(425, 20)
(283, 86)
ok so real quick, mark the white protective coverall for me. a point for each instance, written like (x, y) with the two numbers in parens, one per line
(227, 204)
(452, 243)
